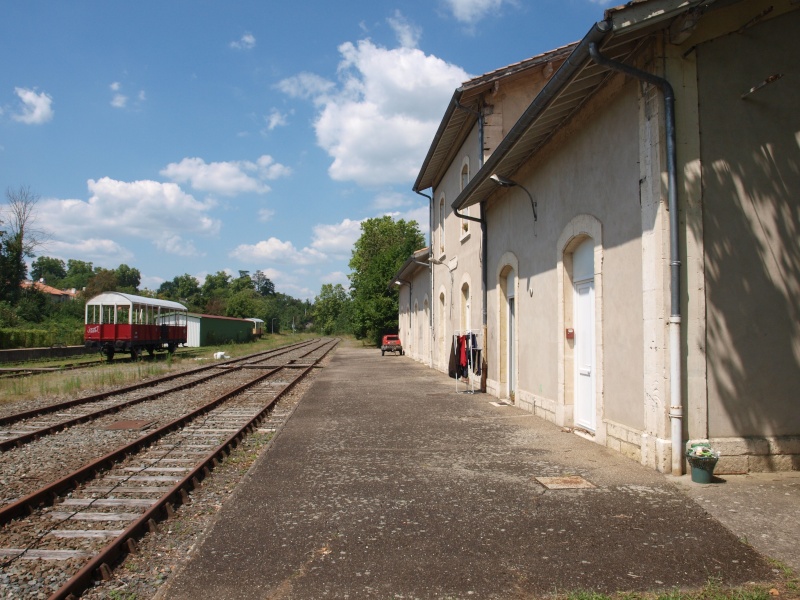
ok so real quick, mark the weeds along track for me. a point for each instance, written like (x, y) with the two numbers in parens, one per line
(66, 533)
(24, 427)
(50, 366)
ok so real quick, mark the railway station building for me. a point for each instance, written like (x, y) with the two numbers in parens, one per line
(617, 222)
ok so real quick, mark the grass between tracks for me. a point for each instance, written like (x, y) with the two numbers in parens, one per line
(60, 385)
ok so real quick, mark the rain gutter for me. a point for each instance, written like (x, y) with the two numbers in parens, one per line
(430, 255)
(675, 386)
(482, 221)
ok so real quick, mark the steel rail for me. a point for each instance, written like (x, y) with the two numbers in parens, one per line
(25, 438)
(159, 510)
(48, 493)
(35, 412)
(18, 441)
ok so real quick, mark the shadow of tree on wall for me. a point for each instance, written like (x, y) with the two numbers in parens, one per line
(751, 230)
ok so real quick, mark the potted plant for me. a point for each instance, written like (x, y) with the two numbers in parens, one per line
(702, 460)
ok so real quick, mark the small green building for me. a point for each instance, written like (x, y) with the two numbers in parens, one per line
(209, 330)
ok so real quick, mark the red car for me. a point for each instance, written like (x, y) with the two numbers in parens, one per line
(391, 343)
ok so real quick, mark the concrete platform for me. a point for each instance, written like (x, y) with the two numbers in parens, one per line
(386, 483)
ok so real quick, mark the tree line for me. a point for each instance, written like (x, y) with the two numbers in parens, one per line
(367, 310)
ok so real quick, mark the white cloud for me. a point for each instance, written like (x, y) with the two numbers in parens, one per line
(246, 42)
(392, 201)
(175, 244)
(226, 178)
(94, 250)
(307, 86)
(336, 277)
(407, 34)
(276, 119)
(336, 239)
(296, 291)
(265, 214)
(36, 108)
(420, 214)
(472, 11)
(158, 213)
(378, 121)
(274, 250)
(119, 101)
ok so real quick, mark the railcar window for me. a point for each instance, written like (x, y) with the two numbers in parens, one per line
(123, 314)
(93, 314)
(109, 314)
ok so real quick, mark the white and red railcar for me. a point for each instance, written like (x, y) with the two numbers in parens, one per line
(117, 322)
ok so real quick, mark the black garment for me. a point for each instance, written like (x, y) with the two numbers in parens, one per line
(476, 361)
(452, 363)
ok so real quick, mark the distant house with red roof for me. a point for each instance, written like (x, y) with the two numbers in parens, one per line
(55, 294)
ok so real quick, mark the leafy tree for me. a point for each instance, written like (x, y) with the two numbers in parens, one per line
(242, 283)
(32, 305)
(243, 304)
(104, 280)
(128, 279)
(332, 310)
(215, 291)
(183, 288)
(52, 270)
(383, 247)
(262, 284)
(216, 306)
(18, 239)
(78, 274)
(216, 284)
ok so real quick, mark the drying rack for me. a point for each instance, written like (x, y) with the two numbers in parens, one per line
(473, 342)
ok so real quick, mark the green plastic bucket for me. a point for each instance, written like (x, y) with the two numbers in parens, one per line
(702, 469)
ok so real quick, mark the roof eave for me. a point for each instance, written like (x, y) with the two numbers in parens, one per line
(560, 79)
(630, 21)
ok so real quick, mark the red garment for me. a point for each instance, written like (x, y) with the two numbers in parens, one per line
(462, 350)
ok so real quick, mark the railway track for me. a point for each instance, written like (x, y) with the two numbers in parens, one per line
(24, 427)
(16, 372)
(77, 527)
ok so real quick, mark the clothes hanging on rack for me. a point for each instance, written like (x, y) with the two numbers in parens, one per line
(476, 361)
(452, 363)
(463, 356)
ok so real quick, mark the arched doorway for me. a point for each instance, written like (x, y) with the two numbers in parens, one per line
(583, 318)
(508, 344)
(426, 328)
(443, 342)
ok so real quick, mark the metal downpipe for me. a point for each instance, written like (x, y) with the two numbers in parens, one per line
(430, 266)
(675, 376)
(484, 252)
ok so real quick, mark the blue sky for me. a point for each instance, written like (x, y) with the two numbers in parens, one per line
(199, 136)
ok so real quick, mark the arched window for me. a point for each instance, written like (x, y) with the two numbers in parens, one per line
(466, 308)
(442, 214)
(464, 182)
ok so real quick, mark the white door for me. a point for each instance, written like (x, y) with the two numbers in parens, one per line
(512, 367)
(583, 272)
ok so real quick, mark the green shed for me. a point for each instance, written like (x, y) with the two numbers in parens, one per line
(208, 330)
